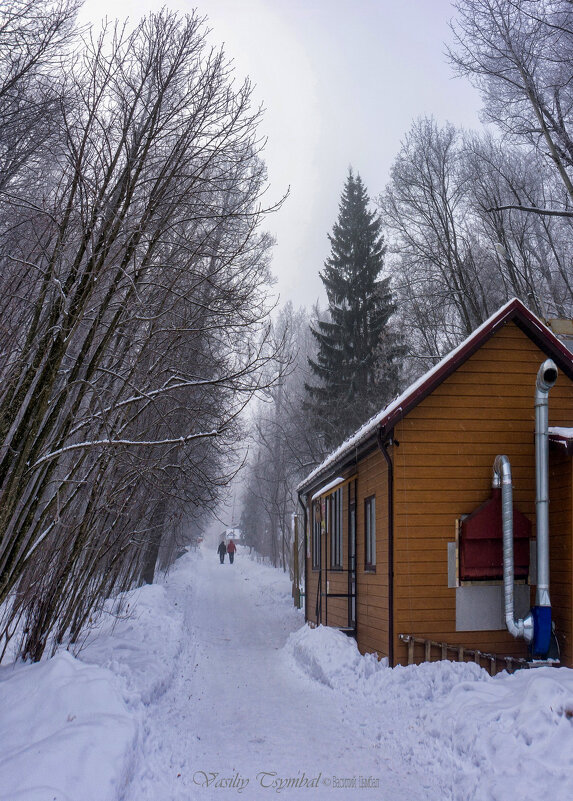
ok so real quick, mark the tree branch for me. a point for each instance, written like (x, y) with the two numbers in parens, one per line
(533, 210)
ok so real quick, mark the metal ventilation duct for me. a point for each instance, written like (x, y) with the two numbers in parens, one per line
(502, 476)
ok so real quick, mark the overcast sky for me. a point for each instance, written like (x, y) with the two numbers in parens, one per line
(341, 82)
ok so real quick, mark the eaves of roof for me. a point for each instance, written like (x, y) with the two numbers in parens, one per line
(561, 438)
(364, 439)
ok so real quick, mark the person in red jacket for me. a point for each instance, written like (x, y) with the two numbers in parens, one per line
(231, 548)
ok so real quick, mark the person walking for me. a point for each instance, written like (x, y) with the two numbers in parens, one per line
(231, 548)
(222, 550)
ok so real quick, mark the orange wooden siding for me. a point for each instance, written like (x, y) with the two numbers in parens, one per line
(443, 469)
(561, 539)
(443, 463)
(334, 611)
(372, 587)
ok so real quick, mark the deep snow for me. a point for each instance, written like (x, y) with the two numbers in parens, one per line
(209, 686)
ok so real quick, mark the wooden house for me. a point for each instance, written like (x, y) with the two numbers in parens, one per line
(387, 515)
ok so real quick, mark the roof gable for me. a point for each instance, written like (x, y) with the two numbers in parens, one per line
(383, 422)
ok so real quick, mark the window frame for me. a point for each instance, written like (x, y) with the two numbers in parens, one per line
(370, 533)
(316, 535)
(335, 503)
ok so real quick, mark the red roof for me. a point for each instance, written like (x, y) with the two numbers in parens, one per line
(382, 423)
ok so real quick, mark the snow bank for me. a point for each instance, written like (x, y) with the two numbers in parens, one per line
(517, 731)
(71, 728)
(140, 643)
(503, 737)
(65, 732)
(330, 657)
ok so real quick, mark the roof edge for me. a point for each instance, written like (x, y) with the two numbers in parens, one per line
(513, 311)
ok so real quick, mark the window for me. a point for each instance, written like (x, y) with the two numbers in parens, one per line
(352, 552)
(335, 528)
(352, 524)
(316, 529)
(370, 533)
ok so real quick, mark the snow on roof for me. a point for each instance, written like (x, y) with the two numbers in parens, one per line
(328, 486)
(559, 435)
(396, 406)
(561, 432)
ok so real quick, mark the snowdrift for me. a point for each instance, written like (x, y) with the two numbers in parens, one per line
(65, 732)
(507, 736)
(70, 728)
(74, 728)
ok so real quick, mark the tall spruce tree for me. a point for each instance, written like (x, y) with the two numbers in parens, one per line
(356, 364)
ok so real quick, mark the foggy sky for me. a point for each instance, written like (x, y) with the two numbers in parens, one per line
(341, 82)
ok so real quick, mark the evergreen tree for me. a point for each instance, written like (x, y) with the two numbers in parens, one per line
(356, 364)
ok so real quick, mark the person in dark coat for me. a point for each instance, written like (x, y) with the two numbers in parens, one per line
(231, 548)
(222, 550)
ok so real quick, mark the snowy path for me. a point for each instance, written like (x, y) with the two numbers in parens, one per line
(207, 686)
(237, 710)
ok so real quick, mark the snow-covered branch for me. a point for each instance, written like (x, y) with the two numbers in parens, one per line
(152, 443)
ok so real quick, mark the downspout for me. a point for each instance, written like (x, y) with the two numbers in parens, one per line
(502, 476)
(384, 450)
(546, 378)
(304, 509)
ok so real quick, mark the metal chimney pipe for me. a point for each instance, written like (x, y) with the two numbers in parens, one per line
(546, 378)
(502, 475)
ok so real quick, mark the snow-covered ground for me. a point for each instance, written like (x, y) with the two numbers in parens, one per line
(209, 686)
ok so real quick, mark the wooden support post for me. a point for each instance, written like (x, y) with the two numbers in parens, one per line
(444, 650)
(477, 655)
(428, 651)
(411, 651)
(461, 653)
(493, 666)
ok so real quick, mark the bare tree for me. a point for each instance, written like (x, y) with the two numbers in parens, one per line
(444, 289)
(284, 447)
(458, 251)
(518, 53)
(139, 321)
(34, 37)
(534, 251)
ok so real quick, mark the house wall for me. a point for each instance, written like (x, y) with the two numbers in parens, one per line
(334, 611)
(561, 544)
(372, 587)
(311, 576)
(443, 469)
